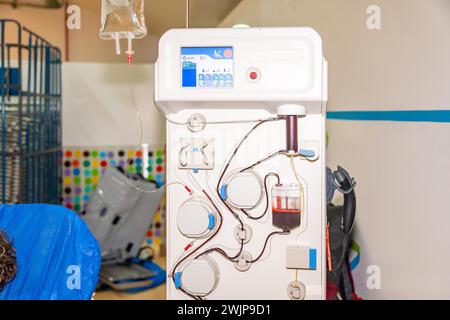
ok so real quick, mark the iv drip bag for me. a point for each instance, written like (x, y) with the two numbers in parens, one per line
(123, 19)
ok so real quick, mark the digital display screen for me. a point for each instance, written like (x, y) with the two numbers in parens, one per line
(207, 67)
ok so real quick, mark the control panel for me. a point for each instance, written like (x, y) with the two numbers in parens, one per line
(207, 67)
(262, 68)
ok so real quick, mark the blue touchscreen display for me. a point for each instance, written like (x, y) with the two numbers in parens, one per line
(207, 67)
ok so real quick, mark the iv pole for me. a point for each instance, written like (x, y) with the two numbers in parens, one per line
(188, 8)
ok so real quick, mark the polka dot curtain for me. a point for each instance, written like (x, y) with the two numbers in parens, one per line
(83, 169)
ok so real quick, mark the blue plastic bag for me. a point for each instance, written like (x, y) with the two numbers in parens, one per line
(58, 258)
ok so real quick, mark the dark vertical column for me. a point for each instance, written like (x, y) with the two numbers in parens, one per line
(3, 113)
(292, 133)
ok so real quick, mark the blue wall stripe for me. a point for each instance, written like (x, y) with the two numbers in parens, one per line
(441, 116)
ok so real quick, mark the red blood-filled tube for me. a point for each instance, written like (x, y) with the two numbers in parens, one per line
(292, 133)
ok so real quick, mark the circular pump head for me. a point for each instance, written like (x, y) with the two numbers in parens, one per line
(199, 277)
(196, 218)
(243, 190)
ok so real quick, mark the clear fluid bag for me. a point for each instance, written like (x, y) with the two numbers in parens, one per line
(123, 19)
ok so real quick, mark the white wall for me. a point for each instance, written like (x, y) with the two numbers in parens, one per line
(401, 168)
(98, 108)
(402, 65)
(403, 209)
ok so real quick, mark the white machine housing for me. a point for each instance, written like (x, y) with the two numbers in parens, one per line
(273, 70)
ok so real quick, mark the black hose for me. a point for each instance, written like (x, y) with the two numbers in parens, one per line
(349, 210)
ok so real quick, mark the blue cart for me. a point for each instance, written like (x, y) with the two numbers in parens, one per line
(30, 118)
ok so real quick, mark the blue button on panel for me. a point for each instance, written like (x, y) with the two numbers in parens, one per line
(313, 259)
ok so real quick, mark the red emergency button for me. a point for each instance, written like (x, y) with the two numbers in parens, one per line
(254, 75)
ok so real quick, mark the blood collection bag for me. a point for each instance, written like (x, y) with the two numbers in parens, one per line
(123, 19)
(286, 206)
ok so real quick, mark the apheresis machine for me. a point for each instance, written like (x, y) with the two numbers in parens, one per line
(246, 140)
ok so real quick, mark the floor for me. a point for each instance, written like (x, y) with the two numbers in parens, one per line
(158, 293)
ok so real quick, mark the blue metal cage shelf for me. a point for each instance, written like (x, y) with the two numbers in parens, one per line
(30, 119)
